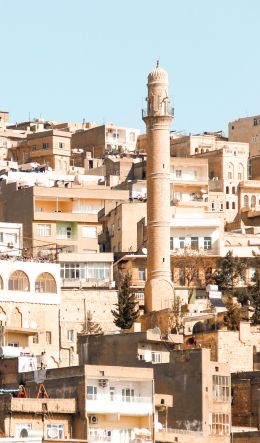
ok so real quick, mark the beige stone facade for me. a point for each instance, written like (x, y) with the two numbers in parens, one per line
(246, 130)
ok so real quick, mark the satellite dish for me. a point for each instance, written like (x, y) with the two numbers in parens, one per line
(144, 251)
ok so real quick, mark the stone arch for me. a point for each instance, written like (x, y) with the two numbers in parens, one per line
(16, 318)
(45, 282)
(18, 281)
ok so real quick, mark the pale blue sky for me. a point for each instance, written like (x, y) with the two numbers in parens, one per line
(69, 60)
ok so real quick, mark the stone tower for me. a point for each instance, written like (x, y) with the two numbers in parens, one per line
(158, 117)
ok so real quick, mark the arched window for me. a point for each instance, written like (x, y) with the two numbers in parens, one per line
(253, 201)
(240, 173)
(1, 283)
(45, 282)
(16, 318)
(196, 150)
(246, 201)
(18, 281)
(230, 171)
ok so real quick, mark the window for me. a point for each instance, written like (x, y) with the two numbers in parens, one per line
(34, 148)
(213, 206)
(89, 232)
(48, 337)
(221, 388)
(182, 242)
(171, 243)
(230, 175)
(227, 189)
(253, 201)
(227, 205)
(55, 431)
(128, 394)
(91, 392)
(64, 231)
(45, 145)
(36, 338)
(112, 393)
(10, 239)
(246, 201)
(18, 281)
(221, 207)
(45, 282)
(1, 237)
(44, 230)
(70, 335)
(233, 205)
(82, 271)
(61, 145)
(156, 357)
(178, 173)
(141, 274)
(240, 176)
(207, 243)
(219, 424)
(194, 243)
(233, 190)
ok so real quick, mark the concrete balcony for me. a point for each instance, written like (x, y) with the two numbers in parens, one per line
(102, 404)
(65, 217)
(38, 405)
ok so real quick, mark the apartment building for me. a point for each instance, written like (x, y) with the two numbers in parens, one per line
(113, 404)
(29, 305)
(58, 218)
(247, 130)
(48, 147)
(108, 138)
(119, 232)
(11, 239)
(204, 415)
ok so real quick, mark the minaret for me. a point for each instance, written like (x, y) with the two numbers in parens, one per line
(159, 287)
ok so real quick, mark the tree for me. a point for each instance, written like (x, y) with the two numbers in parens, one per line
(177, 312)
(254, 294)
(232, 316)
(230, 271)
(191, 265)
(127, 311)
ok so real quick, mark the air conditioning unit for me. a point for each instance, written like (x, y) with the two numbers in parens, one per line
(93, 419)
(52, 433)
(103, 382)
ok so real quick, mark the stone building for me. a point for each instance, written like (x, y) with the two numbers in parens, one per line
(206, 414)
(49, 147)
(247, 130)
(30, 299)
(107, 138)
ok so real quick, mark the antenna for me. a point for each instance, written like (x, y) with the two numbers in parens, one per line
(157, 63)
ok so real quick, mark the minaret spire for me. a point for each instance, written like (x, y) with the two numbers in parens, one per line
(159, 287)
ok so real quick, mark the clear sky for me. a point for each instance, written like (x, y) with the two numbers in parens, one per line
(66, 60)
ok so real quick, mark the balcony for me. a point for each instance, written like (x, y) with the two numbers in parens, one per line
(102, 404)
(39, 405)
(64, 216)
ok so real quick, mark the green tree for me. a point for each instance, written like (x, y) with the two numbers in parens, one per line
(254, 294)
(230, 271)
(127, 311)
(232, 316)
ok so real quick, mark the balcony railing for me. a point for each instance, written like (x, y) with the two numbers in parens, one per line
(124, 405)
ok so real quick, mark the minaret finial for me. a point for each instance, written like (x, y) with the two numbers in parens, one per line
(157, 64)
